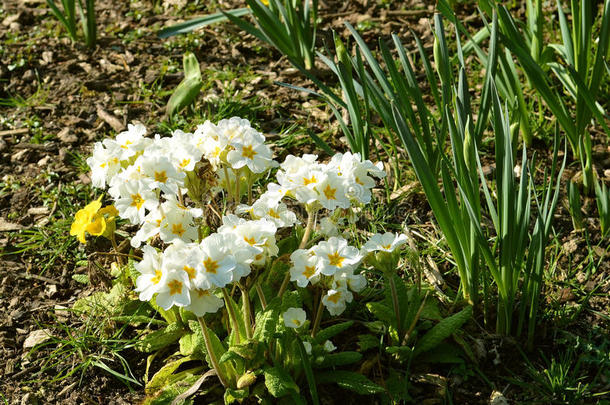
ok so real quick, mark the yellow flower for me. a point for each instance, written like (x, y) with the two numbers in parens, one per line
(94, 220)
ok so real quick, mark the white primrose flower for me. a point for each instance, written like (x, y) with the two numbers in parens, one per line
(387, 242)
(131, 141)
(271, 209)
(204, 302)
(238, 129)
(162, 173)
(328, 227)
(150, 227)
(104, 164)
(182, 257)
(133, 201)
(256, 156)
(177, 224)
(307, 347)
(175, 291)
(215, 264)
(152, 275)
(331, 193)
(304, 267)
(335, 255)
(329, 346)
(335, 301)
(346, 278)
(259, 233)
(243, 253)
(294, 318)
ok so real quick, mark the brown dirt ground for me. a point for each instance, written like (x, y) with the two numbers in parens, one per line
(76, 96)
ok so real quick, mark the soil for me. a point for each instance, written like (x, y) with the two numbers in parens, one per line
(65, 97)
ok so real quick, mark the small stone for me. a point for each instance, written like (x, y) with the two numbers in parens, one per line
(3, 145)
(15, 26)
(51, 290)
(47, 57)
(44, 161)
(36, 337)
(29, 399)
(19, 155)
(28, 76)
(66, 136)
(10, 19)
(38, 210)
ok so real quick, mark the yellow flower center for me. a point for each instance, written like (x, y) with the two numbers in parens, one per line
(202, 293)
(211, 266)
(248, 152)
(190, 271)
(386, 247)
(273, 213)
(161, 176)
(336, 259)
(311, 180)
(309, 271)
(296, 322)
(178, 229)
(359, 181)
(157, 277)
(251, 241)
(175, 287)
(330, 192)
(126, 144)
(137, 201)
(185, 163)
(335, 297)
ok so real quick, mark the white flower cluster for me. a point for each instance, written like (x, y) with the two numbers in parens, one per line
(148, 179)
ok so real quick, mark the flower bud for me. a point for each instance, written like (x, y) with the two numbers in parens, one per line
(246, 380)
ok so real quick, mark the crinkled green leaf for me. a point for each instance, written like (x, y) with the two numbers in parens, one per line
(266, 321)
(161, 377)
(366, 342)
(160, 338)
(442, 330)
(338, 359)
(349, 380)
(279, 382)
(333, 330)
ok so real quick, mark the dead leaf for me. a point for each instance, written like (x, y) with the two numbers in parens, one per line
(36, 337)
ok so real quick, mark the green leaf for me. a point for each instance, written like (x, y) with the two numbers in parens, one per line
(338, 359)
(349, 380)
(366, 342)
(442, 330)
(279, 382)
(382, 312)
(403, 353)
(217, 345)
(332, 331)
(81, 278)
(311, 381)
(191, 25)
(187, 91)
(161, 377)
(266, 321)
(160, 339)
(291, 299)
(190, 345)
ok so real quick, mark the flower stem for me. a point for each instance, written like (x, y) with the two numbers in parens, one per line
(237, 188)
(246, 308)
(249, 177)
(232, 316)
(210, 350)
(227, 181)
(261, 296)
(396, 305)
(318, 318)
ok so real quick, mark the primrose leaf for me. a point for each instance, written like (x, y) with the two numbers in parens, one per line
(332, 331)
(266, 321)
(160, 338)
(349, 380)
(442, 330)
(279, 382)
